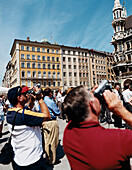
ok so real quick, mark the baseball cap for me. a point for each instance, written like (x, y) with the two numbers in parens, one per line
(13, 93)
(24, 89)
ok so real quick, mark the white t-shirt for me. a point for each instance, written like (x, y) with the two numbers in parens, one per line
(1, 110)
(59, 97)
(127, 94)
(27, 144)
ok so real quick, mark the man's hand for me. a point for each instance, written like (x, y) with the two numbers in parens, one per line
(115, 105)
(112, 101)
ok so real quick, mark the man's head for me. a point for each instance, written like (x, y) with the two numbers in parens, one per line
(80, 104)
(18, 95)
(117, 86)
(126, 86)
(48, 92)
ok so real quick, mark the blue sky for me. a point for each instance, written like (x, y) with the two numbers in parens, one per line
(85, 23)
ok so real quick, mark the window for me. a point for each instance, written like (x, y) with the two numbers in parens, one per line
(68, 51)
(53, 58)
(34, 83)
(53, 66)
(39, 74)
(57, 59)
(70, 83)
(69, 66)
(44, 66)
(82, 60)
(79, 67)
(48, 66)
(43, 58)
(58, 74)
(58, 83)
(64, 66)
(69, 59)
(23, 73)
(86, 74)
(64, 59)
(120, 49)
(65, 83)
(49, 83)
(22, 47)
(39, 65)
(58, 66)
(83, 74)
(22, 56)
(22, 65)
(28, 48)
(54, 83)
(28, 65)
(38, 49)
(34, 73)
(48, 58)
(70, 74)
(49, 74)
(38, 57)
(43, 49)
(28, 74)
(44, 74)
(74, 59)
(28, 83)
(54, 75)
(64, 74)
(75, 74)
(53, 50)
(33, 65)
(33, 57)
(57, 51)
(28, 57)
(23, 83)
(44, 83)
(63, 51)
(33, 48)
(75, 83)
(48, 50)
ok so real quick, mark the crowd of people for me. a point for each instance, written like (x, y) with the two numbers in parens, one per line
(86, 143)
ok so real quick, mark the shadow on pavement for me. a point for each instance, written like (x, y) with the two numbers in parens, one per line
(60, 151)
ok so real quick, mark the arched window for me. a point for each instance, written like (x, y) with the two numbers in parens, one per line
(28, 65)
(28, 74)
(44, 74)
(39, 74)
(58, 74)
(49, 74)
(54, 75)
(23, 73)
(33, 65)
(34, 73)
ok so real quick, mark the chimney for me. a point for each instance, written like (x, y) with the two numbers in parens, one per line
(28, 39)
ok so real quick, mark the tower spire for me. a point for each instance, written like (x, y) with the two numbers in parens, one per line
(117, 4)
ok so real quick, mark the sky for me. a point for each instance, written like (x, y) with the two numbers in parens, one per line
(84, 23)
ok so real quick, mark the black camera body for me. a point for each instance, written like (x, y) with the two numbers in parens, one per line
(98, 93)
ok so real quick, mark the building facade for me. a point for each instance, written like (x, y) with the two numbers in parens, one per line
(35, 62)
(122, 42)
(56, 66)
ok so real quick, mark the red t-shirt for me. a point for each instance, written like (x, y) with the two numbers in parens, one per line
(90, 146)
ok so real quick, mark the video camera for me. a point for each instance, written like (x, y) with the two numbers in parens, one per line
(98, 93)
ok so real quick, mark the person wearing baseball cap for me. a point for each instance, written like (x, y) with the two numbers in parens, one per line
(26, 136)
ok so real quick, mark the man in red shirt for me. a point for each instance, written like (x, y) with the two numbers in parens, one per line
(88, 145)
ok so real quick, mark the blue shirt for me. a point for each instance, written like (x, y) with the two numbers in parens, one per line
(53, 109)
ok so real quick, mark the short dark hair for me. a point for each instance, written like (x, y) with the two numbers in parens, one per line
(47, 91)
(76, 104)
(126, 86)
(116, 84)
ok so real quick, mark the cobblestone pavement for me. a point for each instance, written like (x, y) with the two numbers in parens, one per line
(63, 165)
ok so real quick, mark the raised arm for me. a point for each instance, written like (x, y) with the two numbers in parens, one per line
(115, 105)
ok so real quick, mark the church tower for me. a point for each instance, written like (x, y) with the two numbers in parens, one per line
(122, 42)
